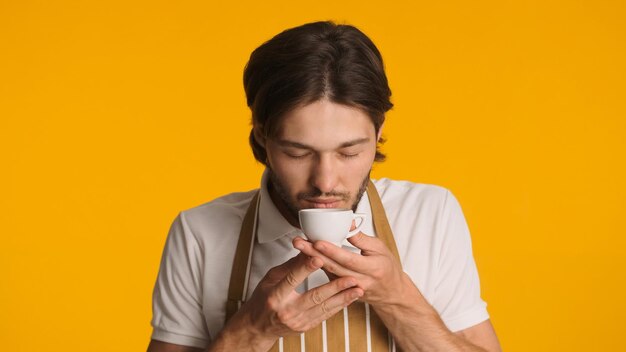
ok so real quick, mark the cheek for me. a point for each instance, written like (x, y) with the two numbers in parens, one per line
(352, 173)
(293, 175)
(358, 172)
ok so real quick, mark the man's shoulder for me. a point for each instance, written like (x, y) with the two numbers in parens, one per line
(229, 208)
(393, 191)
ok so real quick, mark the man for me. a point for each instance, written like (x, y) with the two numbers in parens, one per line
(318, 95)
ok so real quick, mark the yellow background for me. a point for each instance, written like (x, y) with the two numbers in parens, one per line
(116, 115)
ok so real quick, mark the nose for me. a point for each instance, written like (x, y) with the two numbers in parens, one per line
(324, 174)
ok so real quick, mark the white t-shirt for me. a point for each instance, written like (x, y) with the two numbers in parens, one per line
(433, 240)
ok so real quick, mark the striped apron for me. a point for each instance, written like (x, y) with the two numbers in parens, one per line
(357, 328)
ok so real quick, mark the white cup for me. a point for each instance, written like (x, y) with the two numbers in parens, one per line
(332, 225)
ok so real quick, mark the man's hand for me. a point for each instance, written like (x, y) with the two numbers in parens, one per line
(414, 323)
(276, 309)
(377, 271)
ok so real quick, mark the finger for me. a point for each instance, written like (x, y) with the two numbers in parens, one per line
(334, 304)
(318, 295)
(344, 258)
(299, 242)
(330, 266)
(367, 243)
(278, 272)
(299, 270)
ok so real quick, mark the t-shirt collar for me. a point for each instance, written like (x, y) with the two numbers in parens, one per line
(272, 225)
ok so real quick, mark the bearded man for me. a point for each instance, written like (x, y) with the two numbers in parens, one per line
(238, 274)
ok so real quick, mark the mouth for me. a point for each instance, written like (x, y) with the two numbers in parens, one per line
(323, 203)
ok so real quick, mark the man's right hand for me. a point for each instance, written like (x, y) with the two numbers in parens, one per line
(276, 309)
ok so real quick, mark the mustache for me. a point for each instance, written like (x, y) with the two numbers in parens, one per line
(316, 193)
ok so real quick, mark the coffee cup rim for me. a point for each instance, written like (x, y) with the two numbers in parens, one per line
(324, 210)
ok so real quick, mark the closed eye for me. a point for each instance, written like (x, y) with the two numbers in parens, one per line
(348, 156)
(297, 156)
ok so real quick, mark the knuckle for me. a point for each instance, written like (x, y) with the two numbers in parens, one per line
(316, 297)
(349, 297)
(311, 266)
(272, 303)
(296, 327)
(325, 308)
(283, 317)
(340, 285)
(290, 278)
(332, 312)
(299, 327)
(378, 273)
(344, 283)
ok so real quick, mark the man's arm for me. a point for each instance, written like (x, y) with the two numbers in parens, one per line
(416, 326)
(414, 323)
(482, 335)
(160, 346)
(276, 309)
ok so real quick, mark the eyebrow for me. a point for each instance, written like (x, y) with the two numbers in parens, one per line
(293, 144)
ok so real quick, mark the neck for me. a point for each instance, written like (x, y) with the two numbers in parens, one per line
(281, 206)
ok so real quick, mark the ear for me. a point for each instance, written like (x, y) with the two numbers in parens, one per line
(380, 132)
(258, 135)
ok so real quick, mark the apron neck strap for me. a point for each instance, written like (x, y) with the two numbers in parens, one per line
(381, 224)
(243, 254)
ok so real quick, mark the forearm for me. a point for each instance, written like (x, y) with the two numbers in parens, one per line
(239, 336)
(416, 325)
(226, 344)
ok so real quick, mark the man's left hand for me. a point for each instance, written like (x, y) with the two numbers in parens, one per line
(376, 270)
(398, 302)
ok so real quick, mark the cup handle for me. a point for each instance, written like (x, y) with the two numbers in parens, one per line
(358, 227)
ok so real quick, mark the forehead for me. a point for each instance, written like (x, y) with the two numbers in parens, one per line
(325, 123)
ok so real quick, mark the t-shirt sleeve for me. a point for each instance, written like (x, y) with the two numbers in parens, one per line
(177, 315)
(457, 292)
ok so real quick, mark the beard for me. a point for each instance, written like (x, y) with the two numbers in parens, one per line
(291, 205)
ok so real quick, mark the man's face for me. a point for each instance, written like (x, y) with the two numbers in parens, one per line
(321, 157)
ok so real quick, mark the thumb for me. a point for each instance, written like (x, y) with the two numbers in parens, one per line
(363, 242)
(276, 273)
